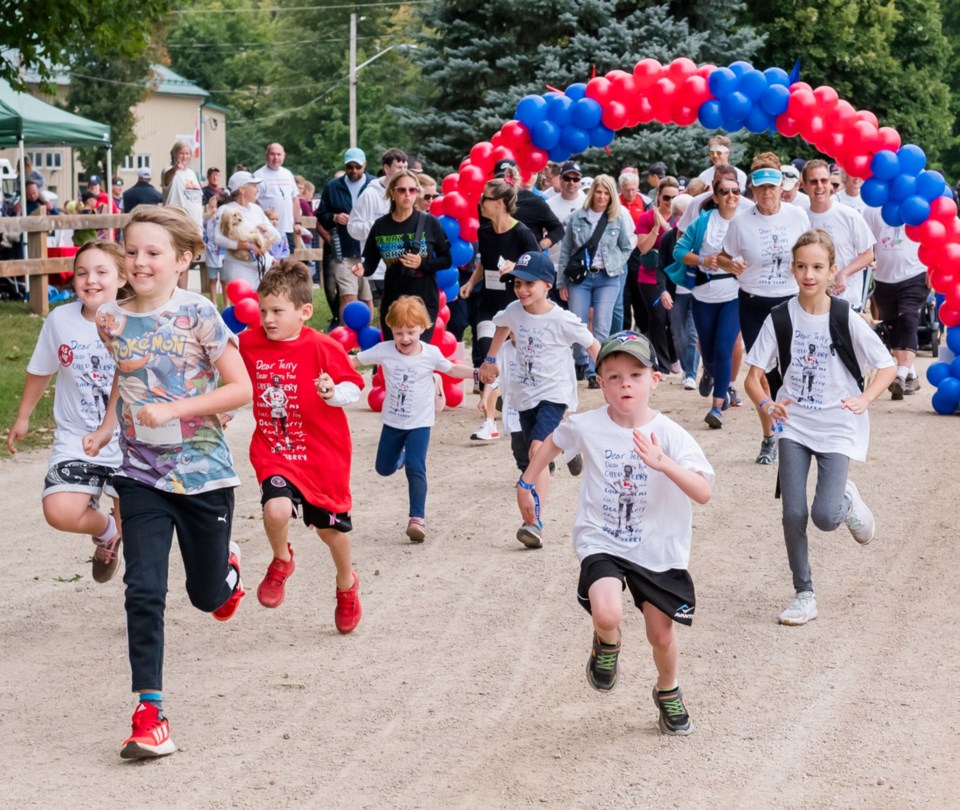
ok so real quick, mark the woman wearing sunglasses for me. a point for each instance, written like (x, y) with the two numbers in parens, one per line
(716, 310)
(757, 249)
(412, 246)
(651, 226)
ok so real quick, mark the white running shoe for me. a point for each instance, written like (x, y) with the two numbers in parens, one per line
(689, 383)
(859, 519)
(487, 433)
(802, 609)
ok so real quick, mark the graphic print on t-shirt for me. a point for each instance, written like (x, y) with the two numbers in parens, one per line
(529, 355)
(625, 495)
(807, 375)
(280, 421)
(774, 254)
(401, 392)
(92, 370)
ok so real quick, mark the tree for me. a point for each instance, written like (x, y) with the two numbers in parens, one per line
(951, 30)
(877, 56)
(44, 34)
(480, 58)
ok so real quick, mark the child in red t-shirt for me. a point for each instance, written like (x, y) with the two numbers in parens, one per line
(301, 446)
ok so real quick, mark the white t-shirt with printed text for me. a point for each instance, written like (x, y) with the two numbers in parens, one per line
(545, 366)
(410, 401)
(765, 243)
(278, 188)
(851, 237)
(897, 255)
(563, 210)
(625, 508)
(696, 206)
(818, 382)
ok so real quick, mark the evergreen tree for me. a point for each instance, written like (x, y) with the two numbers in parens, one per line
(480, 58)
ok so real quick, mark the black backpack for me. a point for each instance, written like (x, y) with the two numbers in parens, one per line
(840, 342)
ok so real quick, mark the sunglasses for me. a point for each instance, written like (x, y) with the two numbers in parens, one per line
(407, 190)
(570, 179)
(723, 192)
(118, 182)
(487, 199)
(430, 197)
(835, 185)
(665, 198)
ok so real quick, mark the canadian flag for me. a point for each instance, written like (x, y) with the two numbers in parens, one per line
(196, 136)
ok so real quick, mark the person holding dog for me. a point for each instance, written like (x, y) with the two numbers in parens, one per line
(245, 232)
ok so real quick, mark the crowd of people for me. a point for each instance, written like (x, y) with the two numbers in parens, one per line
(571, 282)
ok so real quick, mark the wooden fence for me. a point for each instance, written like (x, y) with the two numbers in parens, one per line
(40, 265)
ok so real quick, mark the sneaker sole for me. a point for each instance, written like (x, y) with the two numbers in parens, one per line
(674, 732)
(594, 684)
(477, 438)
(135, 750)
(236, 605)
(713, 421)
(529, 539)
(416, 534)
(104, 572)
(796, 622)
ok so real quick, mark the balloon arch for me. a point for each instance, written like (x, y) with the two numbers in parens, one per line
(558, 125)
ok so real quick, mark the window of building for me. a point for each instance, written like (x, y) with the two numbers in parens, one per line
(134, 162)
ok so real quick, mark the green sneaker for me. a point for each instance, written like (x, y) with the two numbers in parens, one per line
(602, 665)
(673, 714)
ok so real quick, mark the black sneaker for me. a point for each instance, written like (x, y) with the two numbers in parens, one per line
(897, 388)
(706, 383)
(581, 372)
(602, 665)
(673, 714)
(768, 450)
(592, 382)
(575, 465)
(733, 397)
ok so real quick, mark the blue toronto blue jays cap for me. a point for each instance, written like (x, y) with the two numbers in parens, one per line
(534, 266)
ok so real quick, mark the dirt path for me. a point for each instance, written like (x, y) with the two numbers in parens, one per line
(463, 687)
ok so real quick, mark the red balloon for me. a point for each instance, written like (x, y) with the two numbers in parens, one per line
(646, 73)
(455, 205)
(841, 116)
(889, 139)
(447, 344)
(684, 116)
(495, 141)
(450, 183)
(833, 142)
(866, 134)
(464, 162)
(343, 336)
(438, 332)
(598, 88)
(913, 232)
(247, 311)
(376, 397)
(471, 180)
(949, 314)
(480, 156)
(453, 394)
(943, 209)
(932, 232)
(800, 86)
(614, 115)
(705, 71)
(801, 104)
(680, 69)
(443, 298)
(928, 255)
(378, 381)
(622, 85)
(238, 289)
(787, 125)
(826, 96)
(869, 117)
(857, 165)
(695, 90)
(437, 207)
(515, 134)
(640, 110)
(535, 159)
(443, 316)
(948, 258)
(468, 228)
(941, 280)
(661, 99)
(502, 152)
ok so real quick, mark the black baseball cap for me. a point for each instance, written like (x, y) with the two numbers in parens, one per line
(571, 167)
(500, 167)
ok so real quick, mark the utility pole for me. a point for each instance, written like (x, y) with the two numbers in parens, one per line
(353, 80)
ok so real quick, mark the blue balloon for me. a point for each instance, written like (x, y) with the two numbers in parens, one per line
(891, 213)
(915, 210)
(452, 292)
(912, 159)
(587, 113)
(461, 252)
(740, 67)
(575, 139)
(736, 106)
(775, 99)
(545, 135)
(447, 277)
(930, 185)
(450, 227)
(722, 82)
(753, 84)
(777, 76)
(943, 404)
(955, 370)
(368, 337)
(710, 114)
(558, 154)
(937, 373)
(531, 110)
(758, 120)
(230, 319)
(903, 186)
(729, 125)
(875, 192)
(559, 109)
(953, 339)
(356, 315)
(600, 136)
(885, 165)
(576, 91)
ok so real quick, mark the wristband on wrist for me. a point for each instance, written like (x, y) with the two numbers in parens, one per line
(476, 376)
(524, 485)
(700, 260)
(763, 402)
(489, 359)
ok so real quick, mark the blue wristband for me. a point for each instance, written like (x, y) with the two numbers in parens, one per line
(489, 359)
(536, 498)
(524, 485)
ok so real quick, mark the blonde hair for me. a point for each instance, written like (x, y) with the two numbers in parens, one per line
(608, 183)
(765, 160)
(177, 146)
(408, 311)
(388, 192)
(503, 190)
(184, 232)
(816, 236)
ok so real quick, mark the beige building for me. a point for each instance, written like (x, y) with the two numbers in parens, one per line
(176, 109)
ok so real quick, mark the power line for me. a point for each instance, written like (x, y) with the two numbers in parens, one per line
(270, 45)
(275, 10)
(153, 85)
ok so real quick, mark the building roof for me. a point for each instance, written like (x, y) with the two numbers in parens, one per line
(173, 84)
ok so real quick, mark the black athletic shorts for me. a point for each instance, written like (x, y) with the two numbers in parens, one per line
(669, 591)
(316, 517)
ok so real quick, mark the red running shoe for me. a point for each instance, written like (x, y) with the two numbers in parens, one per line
(348, 612)
(271, 590)
(151, 734)
(228, 608)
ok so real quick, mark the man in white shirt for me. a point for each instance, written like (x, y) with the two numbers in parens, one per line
(278, 190)
(853, 240)
(849, 193)
(570, 199)
(718, 149)
(791, 187)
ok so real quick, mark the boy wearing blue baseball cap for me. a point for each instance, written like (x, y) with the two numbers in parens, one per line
(634, 520)
(546, 377)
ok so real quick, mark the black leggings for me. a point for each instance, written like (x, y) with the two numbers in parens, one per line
(899, 304)
(657, 326)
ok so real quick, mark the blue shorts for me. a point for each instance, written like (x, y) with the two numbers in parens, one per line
(541, 420)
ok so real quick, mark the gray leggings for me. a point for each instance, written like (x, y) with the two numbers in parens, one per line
(830, 502)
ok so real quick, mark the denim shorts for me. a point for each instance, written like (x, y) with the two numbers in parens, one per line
(541, 420)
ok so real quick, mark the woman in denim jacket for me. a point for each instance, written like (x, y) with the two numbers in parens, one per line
(602, 285)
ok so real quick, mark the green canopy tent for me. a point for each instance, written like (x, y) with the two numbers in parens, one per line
(25, 119)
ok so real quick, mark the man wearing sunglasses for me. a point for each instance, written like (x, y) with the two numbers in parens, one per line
(718, 149)
(569, 199)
